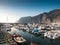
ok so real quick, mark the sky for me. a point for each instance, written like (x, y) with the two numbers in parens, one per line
(13, 10)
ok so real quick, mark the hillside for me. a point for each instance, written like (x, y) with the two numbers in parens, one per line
(46, 17)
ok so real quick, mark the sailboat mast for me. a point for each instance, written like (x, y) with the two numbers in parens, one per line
(7, 19)
(31, 41)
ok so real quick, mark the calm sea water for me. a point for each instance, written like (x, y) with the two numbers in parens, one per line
(36, 39)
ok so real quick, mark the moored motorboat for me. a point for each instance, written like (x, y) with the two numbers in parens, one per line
(19, 39)
(52, 34)
(8, 29)
(35, 31)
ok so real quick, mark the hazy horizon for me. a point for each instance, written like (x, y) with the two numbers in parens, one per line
(13, 10)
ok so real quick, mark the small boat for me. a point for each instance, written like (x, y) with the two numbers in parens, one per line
(8, 29)
(15, 35)
(18, 39)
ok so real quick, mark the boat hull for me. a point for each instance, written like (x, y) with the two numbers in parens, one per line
(23, 43)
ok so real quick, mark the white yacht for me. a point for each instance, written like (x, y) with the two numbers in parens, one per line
(52, 34)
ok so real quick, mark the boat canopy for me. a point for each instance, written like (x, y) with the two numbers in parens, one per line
(36, 30)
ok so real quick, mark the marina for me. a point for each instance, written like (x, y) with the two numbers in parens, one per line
(38, 36)
(29, 22)
(36, 39)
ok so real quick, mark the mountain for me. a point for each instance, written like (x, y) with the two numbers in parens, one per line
(46, 17)
(25, 19)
